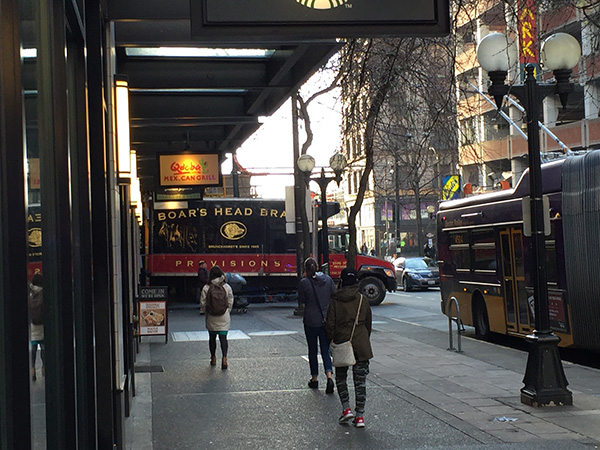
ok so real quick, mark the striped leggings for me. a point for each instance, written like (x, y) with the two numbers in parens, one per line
(359, 373)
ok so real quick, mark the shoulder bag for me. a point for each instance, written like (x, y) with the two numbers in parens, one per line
(342, 355)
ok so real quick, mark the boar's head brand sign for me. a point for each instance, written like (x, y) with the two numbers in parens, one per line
(233, 230)
(189, 169)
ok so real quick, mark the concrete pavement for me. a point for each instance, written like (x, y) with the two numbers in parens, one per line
(419, 394)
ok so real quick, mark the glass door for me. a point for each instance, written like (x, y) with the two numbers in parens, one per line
(519, 318)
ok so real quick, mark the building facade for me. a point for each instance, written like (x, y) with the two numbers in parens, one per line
(493, 145)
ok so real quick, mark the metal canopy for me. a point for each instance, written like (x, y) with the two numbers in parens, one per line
(199, 103)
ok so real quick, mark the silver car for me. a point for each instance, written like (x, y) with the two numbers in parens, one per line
(416, 273)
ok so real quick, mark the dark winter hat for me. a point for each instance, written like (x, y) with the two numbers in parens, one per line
(348, 276)
(37, 279)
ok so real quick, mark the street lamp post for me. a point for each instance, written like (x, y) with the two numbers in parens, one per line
(306, 164)
(544, 379)
(439, 173)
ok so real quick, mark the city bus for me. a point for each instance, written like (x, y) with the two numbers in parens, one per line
(485, 256)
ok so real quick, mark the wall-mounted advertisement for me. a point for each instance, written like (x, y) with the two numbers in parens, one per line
(189, 169)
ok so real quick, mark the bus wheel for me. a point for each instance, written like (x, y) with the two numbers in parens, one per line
(405, 285)
(373, 290)
(480, 319)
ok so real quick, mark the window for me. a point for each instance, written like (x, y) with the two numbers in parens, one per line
(484, 250)
(468, 131)
(459, 249)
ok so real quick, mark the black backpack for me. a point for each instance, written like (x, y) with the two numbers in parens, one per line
(216, 300)
(36, 307)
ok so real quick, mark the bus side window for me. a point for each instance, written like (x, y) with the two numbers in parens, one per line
(551, 269)
(460, 251)
(484, 250)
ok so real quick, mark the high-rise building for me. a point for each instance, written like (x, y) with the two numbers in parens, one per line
(492, 143)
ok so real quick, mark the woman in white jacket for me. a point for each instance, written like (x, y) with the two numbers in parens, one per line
(217, 325)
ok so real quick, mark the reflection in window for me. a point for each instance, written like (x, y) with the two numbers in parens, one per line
(461, 256)
(484, 250)
(551, 266)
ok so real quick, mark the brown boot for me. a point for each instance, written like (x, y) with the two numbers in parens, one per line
(213, 360)
(224, 363)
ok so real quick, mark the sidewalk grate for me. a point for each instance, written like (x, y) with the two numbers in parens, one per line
(148, 369)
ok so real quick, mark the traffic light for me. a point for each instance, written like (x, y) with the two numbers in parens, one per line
(333, 208)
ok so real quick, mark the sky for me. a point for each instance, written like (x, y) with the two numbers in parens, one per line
(270, 149)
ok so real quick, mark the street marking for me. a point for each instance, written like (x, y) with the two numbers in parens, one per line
(194, 336)
(272, 333)
(378, 322)
(406, 321)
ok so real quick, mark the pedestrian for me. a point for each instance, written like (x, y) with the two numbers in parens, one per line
(36, 318)
(314, 292)
(429, 250)
(202, 277)
(216, 301)
(346, 304)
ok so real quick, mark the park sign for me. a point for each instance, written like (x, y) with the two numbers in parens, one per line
(310, 20)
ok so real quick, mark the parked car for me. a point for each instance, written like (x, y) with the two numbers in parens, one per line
(416, 273)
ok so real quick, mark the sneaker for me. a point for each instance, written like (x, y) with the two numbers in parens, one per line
(346, 416)
(359, 422)
(329, 388)
(313, 384)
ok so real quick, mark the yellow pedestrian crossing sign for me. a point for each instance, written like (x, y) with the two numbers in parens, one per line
(451, 187)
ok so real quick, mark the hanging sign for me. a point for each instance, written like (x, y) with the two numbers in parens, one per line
(317, 19)
(528, 42)
(189, 169)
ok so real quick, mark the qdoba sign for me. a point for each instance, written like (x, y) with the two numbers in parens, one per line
(189, 169)
(317, 19)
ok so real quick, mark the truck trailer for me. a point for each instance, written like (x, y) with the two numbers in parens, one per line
(243, 236)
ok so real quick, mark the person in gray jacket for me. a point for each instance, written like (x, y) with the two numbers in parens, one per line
(217, 325)
(341, 315)
(314, 292)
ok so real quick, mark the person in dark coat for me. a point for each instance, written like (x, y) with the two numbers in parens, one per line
(36, 330)
(429, 250)
(314, 292)
(202, 277)
(340, 320)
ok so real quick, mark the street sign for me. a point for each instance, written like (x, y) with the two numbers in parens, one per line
(451, 187)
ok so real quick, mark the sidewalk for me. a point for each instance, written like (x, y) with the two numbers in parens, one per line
(419, 394)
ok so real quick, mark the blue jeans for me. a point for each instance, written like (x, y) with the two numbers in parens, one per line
(312, 335)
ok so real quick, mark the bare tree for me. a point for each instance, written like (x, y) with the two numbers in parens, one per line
(400, 87)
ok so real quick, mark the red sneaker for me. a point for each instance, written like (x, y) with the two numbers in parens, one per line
(359, 422)
(346, 416)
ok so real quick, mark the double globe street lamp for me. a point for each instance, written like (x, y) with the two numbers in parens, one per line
(544, 379)
(338, 163)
